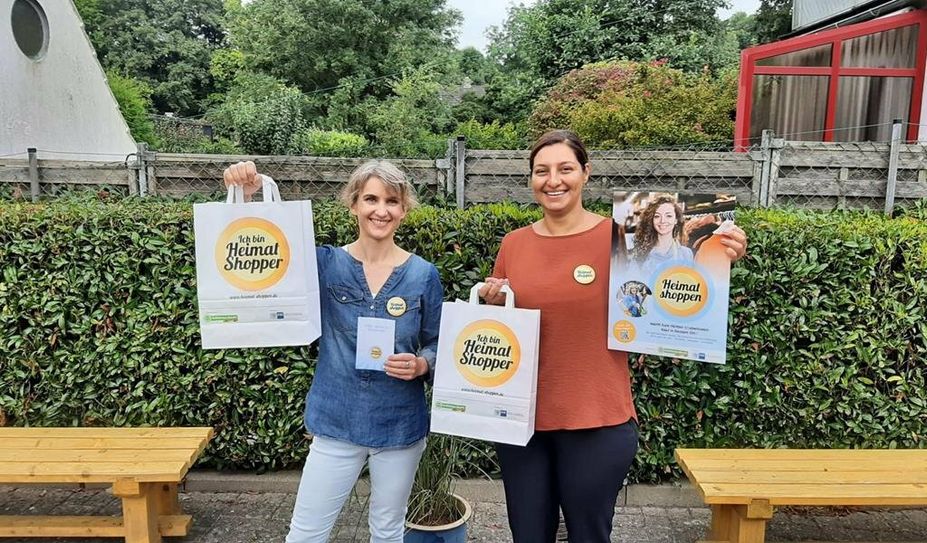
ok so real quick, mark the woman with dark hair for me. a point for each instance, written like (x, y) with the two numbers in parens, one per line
(660, 235)
(585, 426)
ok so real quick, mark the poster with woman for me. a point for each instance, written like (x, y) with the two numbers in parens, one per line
(670, 276)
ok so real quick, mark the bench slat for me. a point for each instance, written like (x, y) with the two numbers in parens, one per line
(93, 443)
(801, 454)
(795, 465)
(84, 472)
(819, 476)
(97, 455)
(153, 432)
(815, 494)
(71, 526)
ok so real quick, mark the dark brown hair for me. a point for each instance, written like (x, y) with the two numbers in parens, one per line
(554, 137)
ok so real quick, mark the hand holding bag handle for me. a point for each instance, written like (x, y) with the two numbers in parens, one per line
(236, 194)
(509, 294)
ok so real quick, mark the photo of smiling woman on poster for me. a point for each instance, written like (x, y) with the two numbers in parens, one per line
(660, 234)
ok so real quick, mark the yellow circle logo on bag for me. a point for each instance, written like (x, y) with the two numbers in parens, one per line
(252, 254)
(487, 353)
(681, 291)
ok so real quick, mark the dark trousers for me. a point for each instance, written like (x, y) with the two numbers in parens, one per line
(578, 471)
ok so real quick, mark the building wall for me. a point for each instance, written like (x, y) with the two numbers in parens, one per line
(806, 12)
(60, 104)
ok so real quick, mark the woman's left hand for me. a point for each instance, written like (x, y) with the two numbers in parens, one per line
(735, 243)
(405, 366)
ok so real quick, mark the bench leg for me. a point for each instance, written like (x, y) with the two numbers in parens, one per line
(139, 510)
(739, 523)
(720, 522)
(168, 501)
(744, 529)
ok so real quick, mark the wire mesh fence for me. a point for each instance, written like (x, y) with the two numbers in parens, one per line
(771, 172)
(298, 177)
(25, 176)
(698, 168)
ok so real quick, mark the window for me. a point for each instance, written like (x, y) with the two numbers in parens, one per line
(843, 84)
(896, 48)
(866, 106)
(813, 56)
(30, 28)
(794, 106)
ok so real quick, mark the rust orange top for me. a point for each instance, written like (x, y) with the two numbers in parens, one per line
(581, 384)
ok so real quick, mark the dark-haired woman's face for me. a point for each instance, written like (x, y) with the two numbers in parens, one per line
(557, 178)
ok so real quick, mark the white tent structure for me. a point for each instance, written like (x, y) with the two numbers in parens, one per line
(53, 93)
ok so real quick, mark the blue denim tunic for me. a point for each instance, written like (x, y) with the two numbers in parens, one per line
(363, 407)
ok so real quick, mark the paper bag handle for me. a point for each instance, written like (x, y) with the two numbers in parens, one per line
(236, 194)
(509, 294)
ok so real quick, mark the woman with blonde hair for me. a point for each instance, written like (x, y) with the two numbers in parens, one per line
(360, 416)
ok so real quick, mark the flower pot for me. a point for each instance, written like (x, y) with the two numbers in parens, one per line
(453, 532)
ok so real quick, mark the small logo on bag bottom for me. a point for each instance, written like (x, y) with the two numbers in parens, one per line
(487, 353)
(252, 254)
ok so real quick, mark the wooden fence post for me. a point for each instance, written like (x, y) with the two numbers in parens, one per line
(142, 157)
(766, 153)
(893, 167)
(460, 171)
(34, 174)
(447, 165)
(775, 152)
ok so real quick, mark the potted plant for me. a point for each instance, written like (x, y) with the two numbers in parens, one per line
(436, 514)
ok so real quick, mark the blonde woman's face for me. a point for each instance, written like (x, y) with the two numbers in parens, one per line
(378, 210)
(664, 220)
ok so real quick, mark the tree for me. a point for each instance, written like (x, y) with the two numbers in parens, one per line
(262, 114)
(628, 103)
(323, 45)
(410, 123)
(166, 44)
(556, 36)
(697, 51)
(134, 98)
(742, 26)
(473, 65)
(539, 43)
(772, 20)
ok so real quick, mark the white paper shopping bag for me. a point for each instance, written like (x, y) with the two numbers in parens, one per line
(486, 373)
(256, 272)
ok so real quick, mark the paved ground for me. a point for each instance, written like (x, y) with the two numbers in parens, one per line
(222, 517)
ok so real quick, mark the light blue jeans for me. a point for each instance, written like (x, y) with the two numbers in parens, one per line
(329, 475)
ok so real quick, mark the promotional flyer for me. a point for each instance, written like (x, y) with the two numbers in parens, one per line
(670, 275)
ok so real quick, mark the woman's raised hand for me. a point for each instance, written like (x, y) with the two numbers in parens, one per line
(491, 292)
(735, 243)
(244, 174)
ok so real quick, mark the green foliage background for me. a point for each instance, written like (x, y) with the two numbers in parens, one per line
(98, 326)
(134, 99)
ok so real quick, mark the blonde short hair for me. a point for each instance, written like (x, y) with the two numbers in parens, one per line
(386, 172)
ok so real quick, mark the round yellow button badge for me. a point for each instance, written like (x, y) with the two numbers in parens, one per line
(584, 274)
(396, 306)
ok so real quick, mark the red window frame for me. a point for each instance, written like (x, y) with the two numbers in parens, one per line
(835, 37)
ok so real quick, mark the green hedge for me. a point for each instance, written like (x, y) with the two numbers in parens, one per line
(98, 326)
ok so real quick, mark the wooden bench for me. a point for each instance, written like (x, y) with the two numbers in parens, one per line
(742, 486)
(143, 465)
